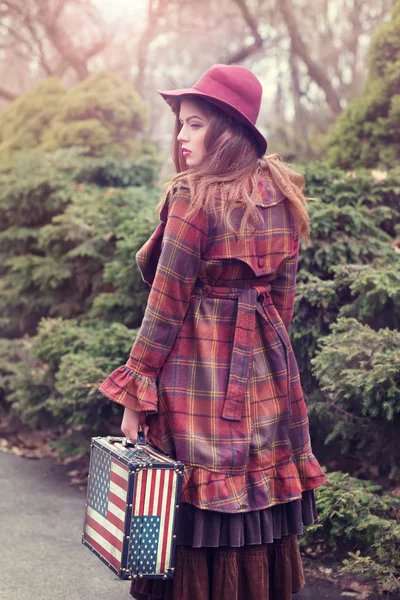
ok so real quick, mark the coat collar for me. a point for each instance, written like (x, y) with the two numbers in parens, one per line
(269, 193)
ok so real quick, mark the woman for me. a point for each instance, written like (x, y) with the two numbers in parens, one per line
(212, 376)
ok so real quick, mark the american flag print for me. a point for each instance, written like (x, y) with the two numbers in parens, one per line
(152, 521)
(106, 506)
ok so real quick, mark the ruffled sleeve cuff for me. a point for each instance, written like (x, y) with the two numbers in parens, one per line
(134, 391)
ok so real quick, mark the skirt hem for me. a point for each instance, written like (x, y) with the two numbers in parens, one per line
(263, 572)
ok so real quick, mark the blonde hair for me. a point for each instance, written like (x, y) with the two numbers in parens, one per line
(230, 171)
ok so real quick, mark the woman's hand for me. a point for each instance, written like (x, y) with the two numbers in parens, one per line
(130, 423)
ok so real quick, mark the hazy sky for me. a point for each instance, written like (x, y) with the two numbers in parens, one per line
(116, 9)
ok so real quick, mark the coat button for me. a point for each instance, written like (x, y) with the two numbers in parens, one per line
(261, 262)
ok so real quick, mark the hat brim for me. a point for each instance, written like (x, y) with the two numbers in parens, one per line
(259, 139)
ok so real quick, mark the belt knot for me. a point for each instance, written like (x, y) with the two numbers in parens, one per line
(242, 348)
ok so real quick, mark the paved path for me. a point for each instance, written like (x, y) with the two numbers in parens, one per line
(41, 518)
(42, 558)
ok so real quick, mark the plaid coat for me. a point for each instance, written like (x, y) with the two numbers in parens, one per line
(213, 364)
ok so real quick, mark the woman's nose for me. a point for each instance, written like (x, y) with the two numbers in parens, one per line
(182, 135)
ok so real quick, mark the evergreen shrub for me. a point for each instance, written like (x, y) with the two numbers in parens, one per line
(358, 370)
(358, 523)
(102, 114)
(57, 233)
(355, 227)
(51, 379)
(71, 295)
(350, 269)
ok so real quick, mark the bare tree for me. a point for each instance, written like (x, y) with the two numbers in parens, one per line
(156, 13)
(42, 35)
(299, 50)
(325, 36)
(309, 53)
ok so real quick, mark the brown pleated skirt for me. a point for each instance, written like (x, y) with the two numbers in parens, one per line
(266, 572)
(254, 556)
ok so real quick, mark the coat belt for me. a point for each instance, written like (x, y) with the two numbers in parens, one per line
(242, 349)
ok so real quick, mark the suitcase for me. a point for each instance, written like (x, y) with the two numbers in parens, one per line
(132, 507)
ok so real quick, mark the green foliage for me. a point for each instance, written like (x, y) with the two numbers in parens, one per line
(368, 131)
(350, 267)
(52, 380)
(375, 292)
(359, 371)
(56, 236)
(380, 570)
(357, 518)
(13, 354)
(127, 297)
(112, 171)
(103, 114)
(349, 273)
(70, 227)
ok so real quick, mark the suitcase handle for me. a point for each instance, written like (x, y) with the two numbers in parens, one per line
(141, 439)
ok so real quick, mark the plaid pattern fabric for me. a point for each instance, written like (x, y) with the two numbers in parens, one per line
(213, 364)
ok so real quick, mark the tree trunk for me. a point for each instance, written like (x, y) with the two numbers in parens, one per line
(315, 71)
(300, 116)
(156, 10)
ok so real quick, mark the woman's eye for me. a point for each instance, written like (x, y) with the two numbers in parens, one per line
(195, 125)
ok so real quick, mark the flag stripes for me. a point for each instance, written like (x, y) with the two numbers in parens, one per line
(105, 517)
(103, 548)
(171, 508)
(154, 495)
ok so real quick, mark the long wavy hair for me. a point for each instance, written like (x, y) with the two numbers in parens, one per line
(229, 171)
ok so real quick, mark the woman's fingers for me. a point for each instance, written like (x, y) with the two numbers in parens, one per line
(131, 435)
(130, 424)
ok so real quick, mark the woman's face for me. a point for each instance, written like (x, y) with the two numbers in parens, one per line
(195, 121)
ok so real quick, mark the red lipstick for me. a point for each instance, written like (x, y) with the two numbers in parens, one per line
(186, 152)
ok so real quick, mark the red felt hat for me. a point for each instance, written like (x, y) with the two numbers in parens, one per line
(235, 90)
